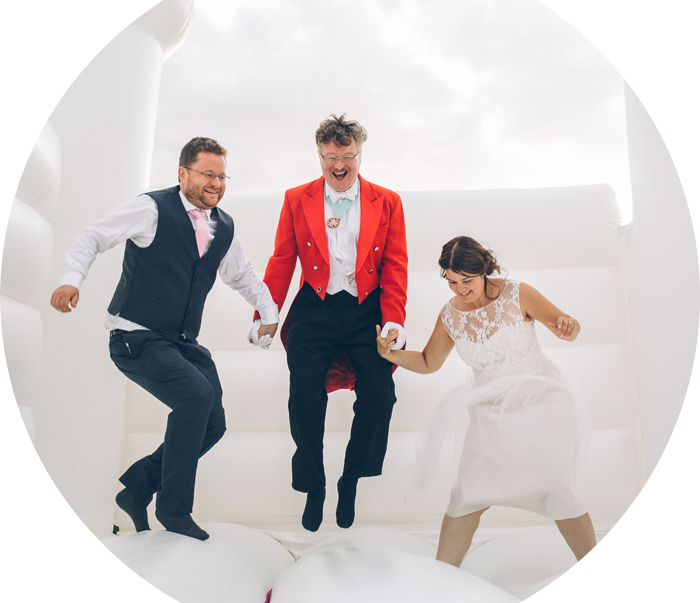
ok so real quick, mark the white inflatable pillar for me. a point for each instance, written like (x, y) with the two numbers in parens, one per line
(25, 267)
(105, 124)
(664, 292)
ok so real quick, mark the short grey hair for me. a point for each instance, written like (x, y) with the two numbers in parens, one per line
(341, 132)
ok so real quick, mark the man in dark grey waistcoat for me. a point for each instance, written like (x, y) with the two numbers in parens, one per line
(176, 241)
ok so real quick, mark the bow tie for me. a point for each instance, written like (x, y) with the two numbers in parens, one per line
(337, 197)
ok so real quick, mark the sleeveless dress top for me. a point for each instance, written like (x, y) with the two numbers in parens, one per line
(528, 433)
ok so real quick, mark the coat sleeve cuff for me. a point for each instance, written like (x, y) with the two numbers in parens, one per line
(269, 316)
(74, 279)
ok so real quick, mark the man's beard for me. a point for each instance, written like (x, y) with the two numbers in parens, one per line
(198, 197)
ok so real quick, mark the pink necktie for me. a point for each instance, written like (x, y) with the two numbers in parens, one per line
(202, 231)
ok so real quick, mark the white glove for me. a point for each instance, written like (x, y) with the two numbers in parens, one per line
(400, 338)
(262, 342)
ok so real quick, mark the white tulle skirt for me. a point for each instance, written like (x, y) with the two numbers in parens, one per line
(526, 445)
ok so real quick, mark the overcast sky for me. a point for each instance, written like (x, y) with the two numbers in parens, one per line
(455, 95)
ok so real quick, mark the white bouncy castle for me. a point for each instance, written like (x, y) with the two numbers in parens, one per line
(89, 423)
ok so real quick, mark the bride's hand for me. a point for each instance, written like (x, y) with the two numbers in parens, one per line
(564, 327)
(384, 343)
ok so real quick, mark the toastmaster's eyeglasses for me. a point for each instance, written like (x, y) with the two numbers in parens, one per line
(349, 159)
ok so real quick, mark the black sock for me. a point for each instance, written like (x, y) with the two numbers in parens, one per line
(181, 524)
(313, 511)
(133, 508)
(345, 513)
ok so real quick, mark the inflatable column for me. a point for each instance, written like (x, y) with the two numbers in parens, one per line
(98, 147)
(662, 269)
(25, 268)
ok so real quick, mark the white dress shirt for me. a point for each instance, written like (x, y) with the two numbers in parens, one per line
(342, 253)
(342, 244)
(138, 220)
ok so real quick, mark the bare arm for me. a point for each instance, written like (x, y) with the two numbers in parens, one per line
(536, 306)
(429, 360)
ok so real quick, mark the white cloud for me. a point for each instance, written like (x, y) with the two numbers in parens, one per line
(455, 95)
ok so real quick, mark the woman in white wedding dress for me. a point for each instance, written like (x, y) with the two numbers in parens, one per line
(527, 438)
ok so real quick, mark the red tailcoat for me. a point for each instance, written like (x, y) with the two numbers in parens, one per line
(381, 256)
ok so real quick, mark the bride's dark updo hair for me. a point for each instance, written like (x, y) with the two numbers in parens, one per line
(466, 256)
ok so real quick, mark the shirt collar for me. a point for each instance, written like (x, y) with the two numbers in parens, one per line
(189, 207)
(335, 196)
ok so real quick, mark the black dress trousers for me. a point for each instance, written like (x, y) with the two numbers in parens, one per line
(183, 376)
(317, 329)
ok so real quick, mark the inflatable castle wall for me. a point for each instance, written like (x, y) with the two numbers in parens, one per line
(89, 423)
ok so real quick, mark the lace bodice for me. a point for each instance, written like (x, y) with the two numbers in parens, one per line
(495, 340)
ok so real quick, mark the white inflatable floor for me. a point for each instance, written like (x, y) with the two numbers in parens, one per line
(238, 564)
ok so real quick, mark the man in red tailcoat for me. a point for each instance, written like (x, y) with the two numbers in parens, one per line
(350, 237)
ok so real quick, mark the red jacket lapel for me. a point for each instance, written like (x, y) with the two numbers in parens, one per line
(313, 205)
(370, 213)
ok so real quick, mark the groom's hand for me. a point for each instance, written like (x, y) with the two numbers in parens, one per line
(64, 298)
(267, 330)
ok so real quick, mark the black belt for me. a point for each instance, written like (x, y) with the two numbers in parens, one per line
(114, 332)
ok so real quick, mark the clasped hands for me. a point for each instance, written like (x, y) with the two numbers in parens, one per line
(261, 335)
(391, 337)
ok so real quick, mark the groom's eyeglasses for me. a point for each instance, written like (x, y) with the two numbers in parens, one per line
(349, 159)
(209, 175)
